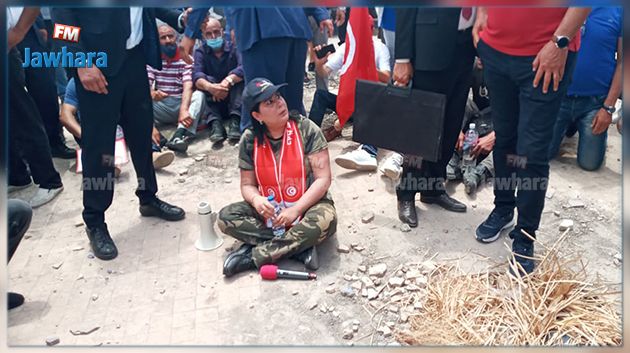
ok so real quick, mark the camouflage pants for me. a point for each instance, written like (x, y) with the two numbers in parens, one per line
(241, 221)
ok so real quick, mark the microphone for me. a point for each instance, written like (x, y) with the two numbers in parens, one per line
(272, 272)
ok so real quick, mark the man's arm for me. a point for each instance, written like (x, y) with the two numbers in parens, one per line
(550, 61)
(384, 76)
(404, 47)
(16, 33)
(603, 119)
(322, 16)
(69, 121)
(184, 115)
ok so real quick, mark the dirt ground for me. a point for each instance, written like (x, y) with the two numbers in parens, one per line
(161, 290)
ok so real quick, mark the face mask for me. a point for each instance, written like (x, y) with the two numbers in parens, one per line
(215, 43)
(169, 50)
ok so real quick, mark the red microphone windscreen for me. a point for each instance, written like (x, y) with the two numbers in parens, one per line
(269, 272)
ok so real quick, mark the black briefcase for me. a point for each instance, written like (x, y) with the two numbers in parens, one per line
(400, 119)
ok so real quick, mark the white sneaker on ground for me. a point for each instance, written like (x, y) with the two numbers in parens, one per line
(44, 196)
(392, 166)
(14, 188)
(358, 159)
(162, 159)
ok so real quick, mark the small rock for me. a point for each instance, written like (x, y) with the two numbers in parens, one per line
(356, 285)
(473, 205)
(94, 297)
(79, 277)
(377, 281)
(182, 172)
(367, 281)
(27, 236)
(367, 216)
(405, 228)
(390, 324)
(57, 266)
(370, 189)
(575, 203)
(295, 292)
(372, 293)
(323, 309)
(181, 180)
(251, 306)
(84, 331)
(403, 318)
(378, 270)
(347, 278)
(331, 309)
(347, 292)
(312, 305)
(566, 224)
(110, 271)
(412, 274)
(354, 197)
(550, 193)
(355, 328)
(162, 291)
(393, 309)
(344, 249)
(52, 340)
(362, 268)
(348, 334)
(417, 305)
(227, 181)
(356, 322)
(429, 266)
(331, 283)
(78, 224)
(359, 248)
(330, 290)
(90, 255)
(78, 248)
(199, 158)
(335, 314)
(421, 282)
(364, 292)
(117, 326)
(396, 281)
(556, 213)
(385, 331)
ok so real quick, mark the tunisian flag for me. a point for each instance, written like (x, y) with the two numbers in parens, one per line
(358, 61)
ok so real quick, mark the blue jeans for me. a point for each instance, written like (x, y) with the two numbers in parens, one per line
(523, 118)
(581, 111)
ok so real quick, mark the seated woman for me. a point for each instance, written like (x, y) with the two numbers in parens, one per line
(284, 155)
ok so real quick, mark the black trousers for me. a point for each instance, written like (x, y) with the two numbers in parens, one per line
(128, 104)
(40, 83)
(454, 81)
(27, 137)
(19, 214)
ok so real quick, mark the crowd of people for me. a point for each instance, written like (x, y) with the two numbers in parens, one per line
(239, 72)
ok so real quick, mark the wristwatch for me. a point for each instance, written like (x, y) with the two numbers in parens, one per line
(610, 109)
(230, 80)
(561, 41)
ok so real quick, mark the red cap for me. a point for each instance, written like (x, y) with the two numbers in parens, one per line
(269, 272)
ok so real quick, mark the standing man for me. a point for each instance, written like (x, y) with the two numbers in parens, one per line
(27, 136)
(434, 48)
(527, 76)
(116, 95)
(272, 41)
(595, 88)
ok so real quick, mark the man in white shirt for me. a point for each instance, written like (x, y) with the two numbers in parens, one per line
(364, 157)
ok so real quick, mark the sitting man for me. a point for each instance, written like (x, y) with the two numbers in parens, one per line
(589, 104)
(478, 112)
(218, 73)
(172, 92)
(364, 157)
(19, 215)
(71, 120)
(300, 187)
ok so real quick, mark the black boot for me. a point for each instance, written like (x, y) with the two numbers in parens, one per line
(101, 242)
(234, 128)
(217, 132)
(309, 258)
(239, 261)
(407, 213)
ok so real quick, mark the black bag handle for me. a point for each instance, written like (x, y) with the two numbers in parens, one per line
(404, 92)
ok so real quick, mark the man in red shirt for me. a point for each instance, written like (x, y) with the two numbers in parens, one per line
(528, 55)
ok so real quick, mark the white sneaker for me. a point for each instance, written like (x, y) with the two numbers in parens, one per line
(392, 166)
(162, 159)
(44, 196)
(358, 159)
(14, 188)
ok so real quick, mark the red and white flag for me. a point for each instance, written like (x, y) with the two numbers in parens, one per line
(358, 61)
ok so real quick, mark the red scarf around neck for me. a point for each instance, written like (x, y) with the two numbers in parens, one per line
(284, 179)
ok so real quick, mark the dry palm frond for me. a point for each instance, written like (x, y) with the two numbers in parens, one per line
(555, 305)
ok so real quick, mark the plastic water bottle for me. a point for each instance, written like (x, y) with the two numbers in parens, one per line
(278, 231)
(470, 141)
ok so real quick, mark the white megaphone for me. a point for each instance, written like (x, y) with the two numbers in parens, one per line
(208, 239)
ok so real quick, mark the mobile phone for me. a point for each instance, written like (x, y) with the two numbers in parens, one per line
(330, 48)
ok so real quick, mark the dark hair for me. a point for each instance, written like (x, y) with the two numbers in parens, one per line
(259, 129)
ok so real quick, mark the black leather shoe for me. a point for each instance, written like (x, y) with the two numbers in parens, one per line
(407, 213)
(62, 151)
(239, 261)
(102, 244)
(217, 131)
(161, 209)
(309, 258)
(445, 201)
(15, 300)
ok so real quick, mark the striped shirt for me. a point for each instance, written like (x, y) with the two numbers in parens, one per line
(172, 77)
